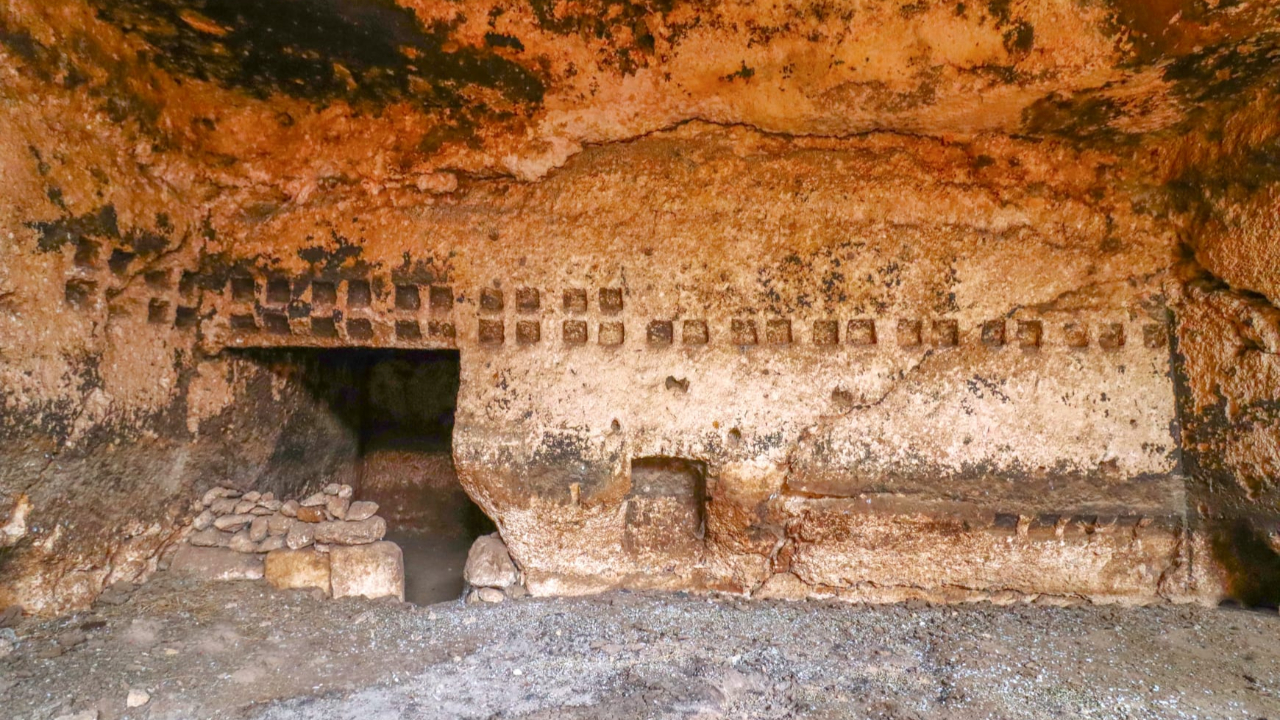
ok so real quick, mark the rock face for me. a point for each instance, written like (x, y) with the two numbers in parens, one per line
(373, 571)
(745, 298)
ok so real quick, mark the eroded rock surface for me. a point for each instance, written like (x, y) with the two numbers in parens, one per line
(872, 301)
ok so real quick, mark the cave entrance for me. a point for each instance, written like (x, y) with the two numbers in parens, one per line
(397, 407)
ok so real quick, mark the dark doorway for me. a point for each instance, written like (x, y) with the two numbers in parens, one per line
(397, 407)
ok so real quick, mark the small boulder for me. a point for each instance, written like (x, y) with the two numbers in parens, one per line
(332, 489)
(312, 514)
(223, 506)
(245, 506)
(374, 570)
(137, 698)
(203, 520)
(491, 595)
(216, 493)
(351, 533)
(345, 492)
(489, 564)
(242, 542)
(337, 507)
(313, 500)
(274, 542)
(231, 523)
(258, 529)
(361, 510)
(289, 508)
(279, 524)
(252, 496)
(300, 535)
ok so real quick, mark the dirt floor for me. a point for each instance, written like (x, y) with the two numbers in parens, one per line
(244, 650)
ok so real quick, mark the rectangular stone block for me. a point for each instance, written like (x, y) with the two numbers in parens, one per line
(214, 563)
(373, 571)
(286, 569)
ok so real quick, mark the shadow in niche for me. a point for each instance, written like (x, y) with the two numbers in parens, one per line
(398, 407)
(1251, 563)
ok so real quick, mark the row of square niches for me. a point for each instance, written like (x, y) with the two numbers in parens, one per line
(409, 297)
(1028, 334)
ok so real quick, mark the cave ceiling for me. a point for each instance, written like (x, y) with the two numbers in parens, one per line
(326, 87)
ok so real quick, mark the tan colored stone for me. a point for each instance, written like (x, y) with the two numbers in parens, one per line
(258, 529)
(300, 535)
(361, 510)
(298, 569)
(489, 564)
(311, 514)
(232, 523)
(210, 537)
(337, 507)
(374, 570)
(351, 533)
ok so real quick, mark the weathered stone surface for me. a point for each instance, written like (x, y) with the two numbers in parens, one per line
(279, 524)
(243, 542)
(217, 493)
(489, 564)
(311, 514)
(374, 570)
(216, 564)
(337, 507)
(300, 535)
(210, 537)
(203, 520)
(351, 533)
(361, 510)
(298, 569)
(231, 523)
(258, 529)
(979, 313)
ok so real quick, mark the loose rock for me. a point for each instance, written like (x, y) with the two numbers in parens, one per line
(311, 514)
(137, 698)
(361, 510)
(289, 508)
(279, 524)
(300, 535)
(337, 507)
(351, 533)
(231, 523)
(203, 520)
(215, 493)
(223, 506)
(313, 500)
(489, 564)
(242, 542)
(491, 595)
(258, 529)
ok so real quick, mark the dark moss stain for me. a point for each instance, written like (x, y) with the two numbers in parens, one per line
(496, 40)
(368, 52)
(623, 25)
(1019, 39)
(341, 255)
(1227, 71)
(1085, 117)
(743, 73)
(424, 271)
(54, 234)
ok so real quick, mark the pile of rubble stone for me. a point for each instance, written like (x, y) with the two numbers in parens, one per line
(324, 541)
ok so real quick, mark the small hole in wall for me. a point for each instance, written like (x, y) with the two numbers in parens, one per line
(735, 436)
(680, 385)
(666, 508)
(615, 426)
(243, 289)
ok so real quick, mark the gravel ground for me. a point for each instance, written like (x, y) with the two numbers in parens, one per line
(244, 650)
